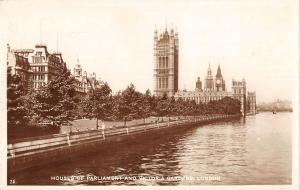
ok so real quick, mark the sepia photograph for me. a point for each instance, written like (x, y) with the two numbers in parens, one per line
(193, 94)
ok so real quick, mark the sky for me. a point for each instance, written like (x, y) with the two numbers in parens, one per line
(255, 40)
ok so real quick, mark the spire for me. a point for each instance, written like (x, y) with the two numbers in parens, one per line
(209, 70)
(166, 24)
(219, 74)
(78, 64)
(155, 33)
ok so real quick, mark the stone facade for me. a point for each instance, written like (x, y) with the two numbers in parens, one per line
(38, 67)
(239, 93)
(215, 89)
(19, 65)
(251, 103)
(166, 49)
(84, 83)
(45, 66)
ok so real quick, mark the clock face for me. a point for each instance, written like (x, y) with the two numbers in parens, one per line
(218, 81)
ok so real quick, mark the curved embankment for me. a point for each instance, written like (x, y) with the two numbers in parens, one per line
(31, 152)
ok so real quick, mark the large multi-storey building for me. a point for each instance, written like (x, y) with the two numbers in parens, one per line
(215, 90)
(45, 66)
(166, 49)
(37, 67)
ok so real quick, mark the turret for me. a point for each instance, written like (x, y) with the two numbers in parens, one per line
(209, 82)
(198, 84)
(94, 76)
(172, 32)
(220, 83)
(239, 93)
(155, 35)
(208, 71)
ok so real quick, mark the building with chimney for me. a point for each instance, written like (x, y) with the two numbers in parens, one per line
(44, 66)
(37, 67)
(166, 50)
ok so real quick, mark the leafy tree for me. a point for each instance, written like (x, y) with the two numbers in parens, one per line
(171, 109)
(128, 104)
(99, 102)
(162, 106)
(56, 101)
(179, 107)
(17, 113)
(145, 105)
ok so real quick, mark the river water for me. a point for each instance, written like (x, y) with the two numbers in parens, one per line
(257, 150)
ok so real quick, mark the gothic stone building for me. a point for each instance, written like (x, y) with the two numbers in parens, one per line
(215, 89)
(251, 103)
(165, 62)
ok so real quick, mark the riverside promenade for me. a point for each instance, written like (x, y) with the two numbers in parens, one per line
(31, 152)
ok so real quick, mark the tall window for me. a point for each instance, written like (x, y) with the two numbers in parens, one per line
(159, 82)
(166, 62)
(166, 82)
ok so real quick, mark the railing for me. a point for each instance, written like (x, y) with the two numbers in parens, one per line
(32, 145)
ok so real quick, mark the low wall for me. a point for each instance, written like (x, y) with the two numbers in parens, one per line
(38, 151)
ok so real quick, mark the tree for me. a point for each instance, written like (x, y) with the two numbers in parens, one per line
(145, 105)
(55, 102)
(99, 102)
(171, 109)
(17, 113)
(162, 106)
(128, 107)
(179, 107)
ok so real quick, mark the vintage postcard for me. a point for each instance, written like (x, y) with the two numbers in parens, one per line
(192, 94)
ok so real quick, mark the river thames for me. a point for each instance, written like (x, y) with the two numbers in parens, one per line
(257, 150)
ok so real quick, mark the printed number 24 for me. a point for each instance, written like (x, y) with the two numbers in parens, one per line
(12, 181)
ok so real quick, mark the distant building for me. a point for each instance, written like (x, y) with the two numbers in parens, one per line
(251, 103)
(84, 83)
(198, 85)
(209, 81)
(19, 65)
(239, 93)
(215, 89)
(220, 82)
(38, 67)
(45, 66)
(166, 49)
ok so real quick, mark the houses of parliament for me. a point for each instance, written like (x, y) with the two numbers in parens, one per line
(166, 63)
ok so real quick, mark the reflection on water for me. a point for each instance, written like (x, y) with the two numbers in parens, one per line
(254, 151)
